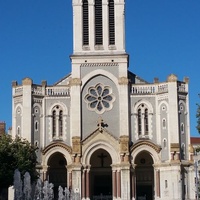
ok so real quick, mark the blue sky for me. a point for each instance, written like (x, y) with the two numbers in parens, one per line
(162, 37)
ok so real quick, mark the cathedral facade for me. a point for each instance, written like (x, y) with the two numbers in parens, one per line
(102, 130)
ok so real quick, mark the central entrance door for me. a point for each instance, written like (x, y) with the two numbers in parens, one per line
(144, 176)
(101, 175)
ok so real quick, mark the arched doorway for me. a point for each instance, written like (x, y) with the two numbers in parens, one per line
(101, 175)
(57, 172)
(144, 172)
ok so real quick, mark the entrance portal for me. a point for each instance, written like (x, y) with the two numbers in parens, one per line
(144, 176)
(101, 175)
(57, 173)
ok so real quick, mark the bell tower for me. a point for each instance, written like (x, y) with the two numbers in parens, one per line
(98, 27)
(98, 58)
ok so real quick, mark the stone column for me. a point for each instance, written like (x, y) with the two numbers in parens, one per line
(118, 184)
(69, 176)
(158, 183)
(44, 171)
(88, 184)
(83, 184)
(114, 183)
(133, 182)
(125, 181)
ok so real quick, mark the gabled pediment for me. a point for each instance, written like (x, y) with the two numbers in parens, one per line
(100, 136)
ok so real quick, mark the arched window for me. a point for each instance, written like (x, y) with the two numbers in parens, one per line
(61, 123)
(85, 23)
(54, 123)
(57, 122)
(139, 122)
(111, 8)
(143, 121)
(98, 23)
(146, 123)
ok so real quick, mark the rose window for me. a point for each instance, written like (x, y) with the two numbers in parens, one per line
(100, 98)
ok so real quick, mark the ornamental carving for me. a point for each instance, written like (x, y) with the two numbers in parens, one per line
(124, 147)
(99, 98)
(75, 82)
(123, 81)
(111, 64)
(27, 81)
(172, 78)
(76, 145)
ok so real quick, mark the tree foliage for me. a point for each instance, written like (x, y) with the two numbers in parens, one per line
(16, 154)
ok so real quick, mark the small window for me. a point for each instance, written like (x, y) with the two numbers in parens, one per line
(164, 123)
(163, 108)
(18, 131)
(36, 143)
(36, 126)
(166, 184)
(165, 143)
(182, 128)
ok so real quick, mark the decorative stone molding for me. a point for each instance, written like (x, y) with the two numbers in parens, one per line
(124, 144)
(172, 78)
(75, 82)
(123, 81)
(27, 81)
(157, 148)
(76, 145)
(175, 147)
(56, 144)
(186, 79)
(14, 84)
(111, 64)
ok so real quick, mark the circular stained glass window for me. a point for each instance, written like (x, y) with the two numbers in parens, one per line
(99, 98)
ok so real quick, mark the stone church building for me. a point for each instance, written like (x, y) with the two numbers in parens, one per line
(103, 131)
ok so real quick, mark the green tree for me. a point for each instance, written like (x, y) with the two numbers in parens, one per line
(16, 154)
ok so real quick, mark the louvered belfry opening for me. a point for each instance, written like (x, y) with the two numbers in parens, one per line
(85, 23)
(98, 23)
(111, 22)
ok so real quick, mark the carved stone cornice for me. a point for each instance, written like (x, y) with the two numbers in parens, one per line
(111, 64)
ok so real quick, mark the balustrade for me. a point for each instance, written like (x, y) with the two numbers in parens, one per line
(149, 89)
(58, 91)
